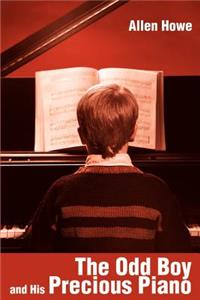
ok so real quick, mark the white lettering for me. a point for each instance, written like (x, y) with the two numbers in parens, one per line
(54, 281)
(166, 25)
(143, 282)
(174, 268)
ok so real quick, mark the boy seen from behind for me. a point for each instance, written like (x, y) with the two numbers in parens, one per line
(108, 205)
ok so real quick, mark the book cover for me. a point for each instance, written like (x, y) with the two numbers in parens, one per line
(147, 35)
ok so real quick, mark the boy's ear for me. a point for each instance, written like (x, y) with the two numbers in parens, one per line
(83, 140)
(132, 137)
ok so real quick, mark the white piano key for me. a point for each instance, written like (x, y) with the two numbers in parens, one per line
(11, 233)
(18, 232)
(3, 233)
(198, 230)
(194, 230)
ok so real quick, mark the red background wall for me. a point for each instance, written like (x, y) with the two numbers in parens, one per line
(107, 42)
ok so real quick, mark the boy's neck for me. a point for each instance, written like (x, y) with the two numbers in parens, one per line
(124, 149)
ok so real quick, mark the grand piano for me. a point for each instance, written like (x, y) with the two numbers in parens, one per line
(26, 175)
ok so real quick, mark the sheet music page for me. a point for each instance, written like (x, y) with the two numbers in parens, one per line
(39, 122)
(143, 84)
(160, 130)
(60, 91)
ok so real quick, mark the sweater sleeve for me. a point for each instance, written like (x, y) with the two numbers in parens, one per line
(174, 236)
(41, 233)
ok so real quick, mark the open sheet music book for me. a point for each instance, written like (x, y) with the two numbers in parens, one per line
(59, 91)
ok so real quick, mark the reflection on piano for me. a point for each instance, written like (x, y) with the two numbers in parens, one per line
(26, 176)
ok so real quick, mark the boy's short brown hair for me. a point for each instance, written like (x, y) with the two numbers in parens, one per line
(107, 116)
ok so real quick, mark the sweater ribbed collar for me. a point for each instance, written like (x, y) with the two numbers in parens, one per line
(121, 159)
(120, 163)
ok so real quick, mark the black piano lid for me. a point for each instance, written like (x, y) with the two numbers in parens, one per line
(55, 32)
(181, 98)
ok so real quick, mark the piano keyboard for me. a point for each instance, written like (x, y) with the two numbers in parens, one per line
(17, 232)
(12, 233)
(194, 230)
